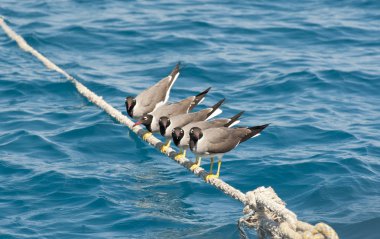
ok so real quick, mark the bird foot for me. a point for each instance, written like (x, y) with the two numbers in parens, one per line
(179, 156)
(210, 176)
(146, 136)
(194, 166)
(164, 149)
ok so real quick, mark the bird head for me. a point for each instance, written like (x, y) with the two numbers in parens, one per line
(177, 135)
(164, 123)
(195, 134)
(146, 120)
(130, 103)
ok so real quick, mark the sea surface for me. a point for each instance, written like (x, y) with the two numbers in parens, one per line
(310, 68)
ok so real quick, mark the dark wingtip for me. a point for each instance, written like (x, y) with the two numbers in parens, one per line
(199, 98)
(234, 119)
(204, 92)
(176, 70)
(216, 106)
(257, 129)
(220, 102)
(237, 116)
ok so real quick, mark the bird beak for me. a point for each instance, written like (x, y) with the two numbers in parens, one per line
(162, 130)
(137, 123)
(177, 135)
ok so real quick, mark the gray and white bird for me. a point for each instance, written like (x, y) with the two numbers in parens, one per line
(168, 124)
(181, 137)
(169, 110)
(153, 97)
(215, 142)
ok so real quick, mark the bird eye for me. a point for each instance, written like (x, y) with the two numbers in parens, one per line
(191, 131)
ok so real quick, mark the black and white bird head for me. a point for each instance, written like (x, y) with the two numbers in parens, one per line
(195, 134)
(164, 123)
(146, 120)
(177, 135)
(130, 103)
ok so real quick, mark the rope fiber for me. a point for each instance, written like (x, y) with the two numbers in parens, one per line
(264, 211)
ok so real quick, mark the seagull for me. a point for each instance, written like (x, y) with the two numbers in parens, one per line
(153, 97)
(215, 142)
(182, 107)
(181, 136)
(168, 124)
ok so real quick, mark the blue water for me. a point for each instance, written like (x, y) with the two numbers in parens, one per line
(311, 69)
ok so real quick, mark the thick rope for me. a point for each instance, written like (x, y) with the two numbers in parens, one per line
(264, 210)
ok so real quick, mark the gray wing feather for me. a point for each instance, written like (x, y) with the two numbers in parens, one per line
(222, 140)
(174, 109)
(154, 94)
(202, 125)
(184, 119)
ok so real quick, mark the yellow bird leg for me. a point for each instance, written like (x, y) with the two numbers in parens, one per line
(196, 164)
(219, 164)
(210, 176)
(146, 135)
(166, 146)
(211, 164)
(181, 154)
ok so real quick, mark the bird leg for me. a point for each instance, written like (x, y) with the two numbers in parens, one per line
(210, 173)
(146, 135)
(196, 164)
(210, 176)
(165, 147)
(181, 154)
(211, 164)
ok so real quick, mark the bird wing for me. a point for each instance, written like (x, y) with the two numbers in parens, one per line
(222, 140)
(202, 125)
(174, 109)
(155, 94)
(158, 94)
(217, 123)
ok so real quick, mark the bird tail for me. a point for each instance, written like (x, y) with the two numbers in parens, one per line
(215, 110)
(255, 131)
(175, 73)
(234, 120)
(199, 98)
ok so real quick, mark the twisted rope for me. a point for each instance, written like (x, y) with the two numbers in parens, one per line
(264, 210)
(267, 213)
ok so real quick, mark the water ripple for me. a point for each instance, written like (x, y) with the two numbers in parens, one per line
(67, 170)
